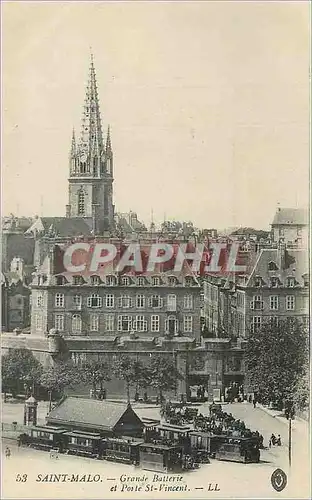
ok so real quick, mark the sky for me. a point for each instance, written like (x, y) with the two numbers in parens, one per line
(208, 104)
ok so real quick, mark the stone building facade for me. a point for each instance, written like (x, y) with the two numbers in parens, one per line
(276, 288)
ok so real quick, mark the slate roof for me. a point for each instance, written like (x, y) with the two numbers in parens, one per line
(89, 413)
(63, 226)
(294, 263)
(291, 216)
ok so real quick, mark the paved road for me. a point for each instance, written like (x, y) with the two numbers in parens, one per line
(234, 480)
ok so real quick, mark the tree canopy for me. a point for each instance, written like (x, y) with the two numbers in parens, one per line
(95, 373)
(275, 359)
(163, 374)
(130, 370)
(18, 368)
(58, 377)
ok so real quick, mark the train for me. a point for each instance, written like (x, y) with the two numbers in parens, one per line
(163, 447)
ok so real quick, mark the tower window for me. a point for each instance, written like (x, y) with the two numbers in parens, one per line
(81, 203)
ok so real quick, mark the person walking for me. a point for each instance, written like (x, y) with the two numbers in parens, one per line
(254, 403)
(7, 452)
(279, 441)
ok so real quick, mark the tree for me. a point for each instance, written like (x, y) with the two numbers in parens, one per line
(302, 391)
(56, 378)
(163, 375)
(129, 370)
(95, 373)
(20, 368)
(275, 358)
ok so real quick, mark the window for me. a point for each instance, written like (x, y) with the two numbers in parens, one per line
(188, 324)
(140, 301)
(171, 325)
(125, 301)
(38, 321)
(188, 302)
(110, 280)
(94, 322)
(141, 281)
(272, 266)
(77, 300)
(124, 323)
(78, 358)
(290, 282)
(140, 324)
(155, 302)
(274, 302)
(95, 280)
(172, 281)
(258, 282)
(76, 323)
(188, 281)
(256, 303)
(255, 323)
(60, 280)
(59, 322)
(274, 282)
(240, 300)
(59, 300)
(274, 321)
(290, 302)
(155, 323)
(109, 322)
(109, 300)
(81, 203)
(94, 300)
(78, 280)
(172, 302)
(125, 280)
(155, 281)
(39, 300)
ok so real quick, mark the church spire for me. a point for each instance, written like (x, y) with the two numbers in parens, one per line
(73, 145)
(91, 139)
(108, 147)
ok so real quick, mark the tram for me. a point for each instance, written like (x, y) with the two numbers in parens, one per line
(238, 449)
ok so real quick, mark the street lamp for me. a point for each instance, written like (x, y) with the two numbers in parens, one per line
(290, 415)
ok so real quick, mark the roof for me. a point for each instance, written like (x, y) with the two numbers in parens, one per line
(62, 226)
(291, 216)
(89, 413)
(289, 263)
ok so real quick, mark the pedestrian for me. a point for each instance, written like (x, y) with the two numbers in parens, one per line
(254, 403)
(279, 441)
(273, 439)
(7, 452)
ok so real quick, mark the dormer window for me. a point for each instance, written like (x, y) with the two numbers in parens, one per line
(305, 279)
(188, 281)
(110, 280)
(78, 280)
(155, 281)
(258, 282)
(272, 266)
(141, 281)
(95, 280)
(274, 282)
(290, 282)
(125, 281)
(172, 281)
(60, 280)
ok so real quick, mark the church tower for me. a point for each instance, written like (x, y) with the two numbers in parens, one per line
(91, 166)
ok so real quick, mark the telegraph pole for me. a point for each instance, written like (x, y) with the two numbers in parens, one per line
(289, 442)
